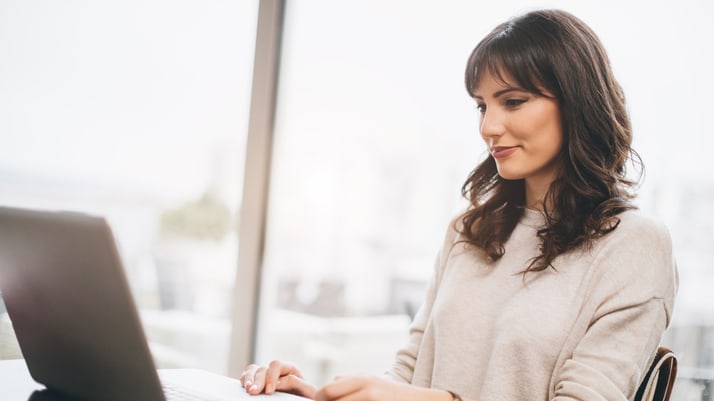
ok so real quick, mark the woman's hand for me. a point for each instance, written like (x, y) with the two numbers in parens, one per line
(371, 388)
(277, 376)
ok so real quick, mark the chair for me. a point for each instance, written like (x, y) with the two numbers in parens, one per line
(659, 380)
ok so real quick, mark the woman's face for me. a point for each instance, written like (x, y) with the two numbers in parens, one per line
(522, 131)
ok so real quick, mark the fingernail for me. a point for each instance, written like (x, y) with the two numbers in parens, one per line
(253, 388)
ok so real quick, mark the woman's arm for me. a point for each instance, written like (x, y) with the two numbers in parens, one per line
(371, 388)
(631, 299)
(403, 368)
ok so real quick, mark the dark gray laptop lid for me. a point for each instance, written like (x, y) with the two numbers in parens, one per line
(68, 299)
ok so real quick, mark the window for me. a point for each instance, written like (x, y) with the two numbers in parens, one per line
(370, 150)
(138, 111)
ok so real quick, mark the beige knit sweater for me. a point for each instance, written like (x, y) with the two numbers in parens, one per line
(584, 331)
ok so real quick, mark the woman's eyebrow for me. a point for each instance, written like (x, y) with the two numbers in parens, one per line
(504, 91)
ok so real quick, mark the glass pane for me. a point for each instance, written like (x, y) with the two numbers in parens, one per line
(137, 110)
(375, 134)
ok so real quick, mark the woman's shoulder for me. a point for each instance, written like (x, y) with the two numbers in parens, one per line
(638, 240)
(637, 259)
(637, 226)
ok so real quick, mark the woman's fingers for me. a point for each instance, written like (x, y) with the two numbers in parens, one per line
(277, 376)
(247, 377)
(272, 376)
(258, 384)
(296, 385)
(276, 370)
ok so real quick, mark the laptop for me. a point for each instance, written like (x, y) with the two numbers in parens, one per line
(79, 331)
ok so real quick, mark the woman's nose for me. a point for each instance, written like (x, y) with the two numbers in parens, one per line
(491, 124)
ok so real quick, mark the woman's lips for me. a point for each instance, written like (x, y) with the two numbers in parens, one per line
(503, 151)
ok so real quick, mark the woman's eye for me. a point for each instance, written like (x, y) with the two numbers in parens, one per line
(514, 102)
(481, 108)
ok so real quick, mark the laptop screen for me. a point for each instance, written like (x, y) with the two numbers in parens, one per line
(71, 308)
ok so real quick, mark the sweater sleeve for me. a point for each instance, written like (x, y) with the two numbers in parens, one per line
(629, 305)
(403, 368)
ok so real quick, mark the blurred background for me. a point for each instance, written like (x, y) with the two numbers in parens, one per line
(138, 110)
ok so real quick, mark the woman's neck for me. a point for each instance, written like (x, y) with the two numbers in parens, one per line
(536, 194)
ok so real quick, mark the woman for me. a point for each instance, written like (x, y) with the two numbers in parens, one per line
(551, 285)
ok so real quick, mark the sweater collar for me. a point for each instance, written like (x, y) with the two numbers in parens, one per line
(533, 218)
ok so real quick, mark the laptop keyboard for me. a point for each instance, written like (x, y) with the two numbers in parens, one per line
(175, 393)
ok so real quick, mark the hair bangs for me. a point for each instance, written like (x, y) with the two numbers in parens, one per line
(507, 56)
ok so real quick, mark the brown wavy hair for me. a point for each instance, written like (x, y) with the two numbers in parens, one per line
(553, 53)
